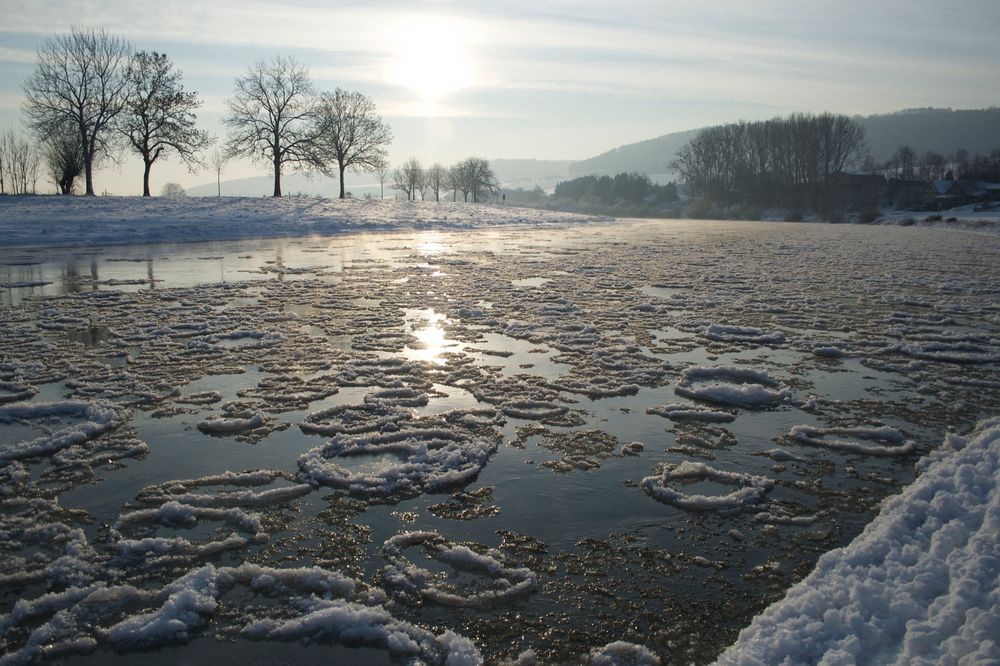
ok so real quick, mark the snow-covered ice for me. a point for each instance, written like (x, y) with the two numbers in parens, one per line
(51, 220)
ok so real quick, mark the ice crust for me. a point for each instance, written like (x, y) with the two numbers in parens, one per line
(918, 586)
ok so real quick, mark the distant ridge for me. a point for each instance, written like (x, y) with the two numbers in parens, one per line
(940, 130)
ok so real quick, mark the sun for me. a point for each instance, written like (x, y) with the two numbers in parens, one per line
(431, 57)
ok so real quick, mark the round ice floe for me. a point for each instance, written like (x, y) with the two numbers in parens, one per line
(751, 488)
(737, 387)
(828, 351)
(151, 548)
(220, 425)
(203, 398)
(354, 419)
(84, 618)
(722, 333)
(620, 653)
(952, 352)
(14, 391)
(502, 583)
(872, 441)
(36, 547)
(682, 412)
(431, 459)
(228, 489)
(534, 410)
(400, 397)
(89, 420)
(354, 624)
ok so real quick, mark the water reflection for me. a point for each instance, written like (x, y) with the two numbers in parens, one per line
(427, 326)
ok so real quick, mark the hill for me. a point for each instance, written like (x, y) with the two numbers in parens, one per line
(941, 130)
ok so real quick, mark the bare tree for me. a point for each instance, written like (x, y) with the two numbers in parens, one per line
(474, 176)
(217, 161)
(79, 79)
(63, 156)
(906, 157)
(21, 163)
(352, 135)
(381, 170)
(159, 117)
(437, 179)
(272, 117)
(408, 178)
(173, 191)
(4, 164)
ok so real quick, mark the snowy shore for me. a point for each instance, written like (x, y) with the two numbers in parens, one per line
(918, 586)
(52, 220)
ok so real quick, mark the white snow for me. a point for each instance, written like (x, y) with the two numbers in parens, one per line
(918, 586)
(52, 220)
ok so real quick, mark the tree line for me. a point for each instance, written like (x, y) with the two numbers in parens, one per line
(629, 188)
(472, 177)
(906, 164)
(92, 94)
(765, 162)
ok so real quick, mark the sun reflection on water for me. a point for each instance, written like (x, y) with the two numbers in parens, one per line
(427, 326)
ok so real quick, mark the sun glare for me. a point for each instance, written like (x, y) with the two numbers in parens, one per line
(430, 58)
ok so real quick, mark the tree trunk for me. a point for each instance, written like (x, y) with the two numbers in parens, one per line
(88, 168)
(277, 178)
(341, 181)
(145, 177)
(218, 183)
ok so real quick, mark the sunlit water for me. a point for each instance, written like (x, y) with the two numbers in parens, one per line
(566, 338)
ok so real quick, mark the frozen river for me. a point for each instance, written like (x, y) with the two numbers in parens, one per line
(432, 443)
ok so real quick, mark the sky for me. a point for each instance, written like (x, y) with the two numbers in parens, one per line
(541, 79)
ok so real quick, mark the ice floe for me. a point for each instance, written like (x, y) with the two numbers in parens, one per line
(736, 387)
(750, 488)
(501, 583)
(868, 440)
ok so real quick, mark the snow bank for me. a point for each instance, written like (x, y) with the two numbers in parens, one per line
(918, 586)
(53, 220)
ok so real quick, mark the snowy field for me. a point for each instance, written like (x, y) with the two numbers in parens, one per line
(51, 220)
(631, 442)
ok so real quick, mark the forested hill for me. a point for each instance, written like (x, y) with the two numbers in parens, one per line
(941, 130)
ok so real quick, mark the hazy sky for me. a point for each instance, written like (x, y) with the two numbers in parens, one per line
(544, 79)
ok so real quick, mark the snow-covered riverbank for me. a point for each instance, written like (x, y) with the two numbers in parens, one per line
(51, 220)
(919, 585)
